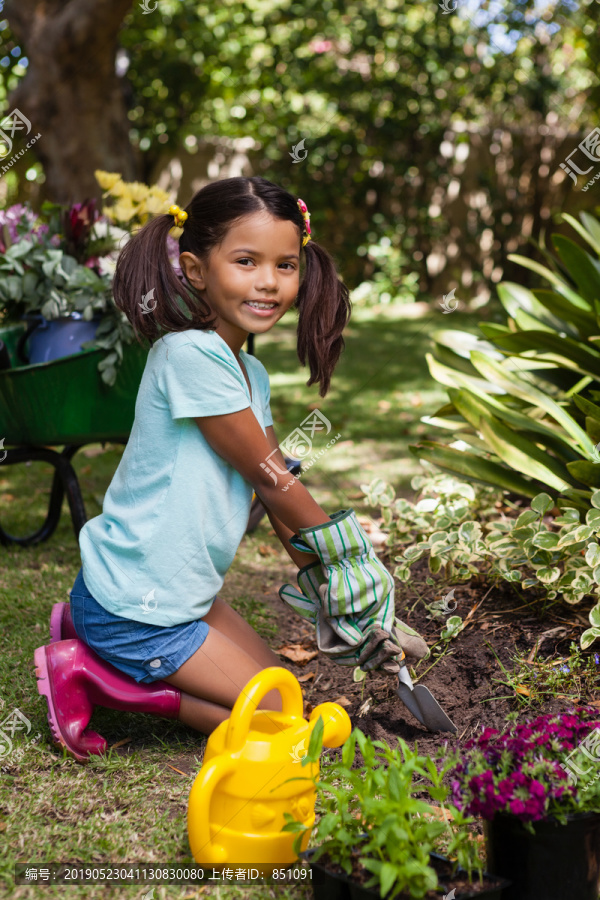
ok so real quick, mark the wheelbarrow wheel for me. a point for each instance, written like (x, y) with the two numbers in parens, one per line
(64, 481)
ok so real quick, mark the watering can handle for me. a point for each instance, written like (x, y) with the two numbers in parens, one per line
(209, 776)
(274, 677)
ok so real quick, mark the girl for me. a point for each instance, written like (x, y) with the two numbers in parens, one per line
(146, 629)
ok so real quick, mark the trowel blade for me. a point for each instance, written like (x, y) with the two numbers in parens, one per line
(408, 698)
(433, 716)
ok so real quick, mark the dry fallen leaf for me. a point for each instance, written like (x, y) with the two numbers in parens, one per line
(178, 770)
(521, 689)
(307, 677)
(266, 550)
(439, 813)
(296, 653)
(364, 709)
(342, 701)
(94, 451)
(120, 743)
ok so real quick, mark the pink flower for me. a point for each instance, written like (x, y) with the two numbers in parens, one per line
(320, 46)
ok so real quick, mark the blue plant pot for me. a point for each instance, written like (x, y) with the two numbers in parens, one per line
(52, 339)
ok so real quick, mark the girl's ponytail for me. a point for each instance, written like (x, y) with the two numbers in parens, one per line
(324, 308)
(148, 291)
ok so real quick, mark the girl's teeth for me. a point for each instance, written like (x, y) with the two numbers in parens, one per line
(262, 305)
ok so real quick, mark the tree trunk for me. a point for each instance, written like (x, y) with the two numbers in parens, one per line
(71, 92)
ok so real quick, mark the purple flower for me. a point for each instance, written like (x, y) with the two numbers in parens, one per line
(15, 218)
(518, 770)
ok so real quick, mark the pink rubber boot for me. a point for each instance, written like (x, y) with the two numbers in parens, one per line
(61, 623)
(74, 679)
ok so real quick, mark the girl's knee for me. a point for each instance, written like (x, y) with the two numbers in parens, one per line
(272, 701)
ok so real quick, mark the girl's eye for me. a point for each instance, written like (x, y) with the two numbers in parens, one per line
(248, 259)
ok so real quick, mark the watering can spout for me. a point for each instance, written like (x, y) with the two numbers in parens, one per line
(337, 726)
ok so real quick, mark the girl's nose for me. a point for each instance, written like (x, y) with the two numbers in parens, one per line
(266, 278)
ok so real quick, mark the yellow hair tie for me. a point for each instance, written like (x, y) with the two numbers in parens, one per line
(179, 214)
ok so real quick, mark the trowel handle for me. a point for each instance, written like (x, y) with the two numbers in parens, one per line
(403, 675)
(250, 696)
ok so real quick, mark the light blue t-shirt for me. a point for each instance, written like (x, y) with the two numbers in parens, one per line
(175, 512)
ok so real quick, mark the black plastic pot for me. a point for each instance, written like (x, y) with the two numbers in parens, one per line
(558, 862)
(328, 885)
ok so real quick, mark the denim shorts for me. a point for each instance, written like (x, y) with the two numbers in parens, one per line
(145, 652)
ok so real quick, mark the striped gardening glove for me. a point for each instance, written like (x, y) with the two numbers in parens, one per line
(350, 598)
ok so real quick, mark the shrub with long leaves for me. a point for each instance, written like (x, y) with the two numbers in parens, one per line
(524, 399)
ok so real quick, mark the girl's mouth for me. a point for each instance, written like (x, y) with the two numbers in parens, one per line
(259, 308)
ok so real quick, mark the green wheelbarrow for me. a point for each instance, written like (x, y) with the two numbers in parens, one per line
(62, 403)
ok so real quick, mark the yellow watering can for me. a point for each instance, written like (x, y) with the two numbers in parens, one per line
(237, 802)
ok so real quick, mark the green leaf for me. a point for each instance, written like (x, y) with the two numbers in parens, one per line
(471, 466)
(453, 625)
(592, 554)
(387, 877)
(588, 637)
(530, 394)
(561, 286)
(413, 553)
(109, 376)
(547, 575)
(584, 321)
(528, 516)
(523, 455)
(564, 351)
(542, 503)
(595, 616)
(586, 406)
(584, 270)
(469, 532)
(581, 533)
(569, 516)
(589, 231)
(585, 471)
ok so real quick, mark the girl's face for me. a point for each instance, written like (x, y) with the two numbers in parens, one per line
(251, 279)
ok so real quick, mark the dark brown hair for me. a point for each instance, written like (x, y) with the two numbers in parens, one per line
(323, 302)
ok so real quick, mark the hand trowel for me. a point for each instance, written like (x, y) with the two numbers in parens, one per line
(421, 702)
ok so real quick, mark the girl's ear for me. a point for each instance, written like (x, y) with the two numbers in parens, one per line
(193, 270)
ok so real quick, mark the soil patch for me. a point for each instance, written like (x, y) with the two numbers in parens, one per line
(464, 681)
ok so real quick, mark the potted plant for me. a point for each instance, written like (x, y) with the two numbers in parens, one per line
(377, 837)
(56, 272)
(537, 786)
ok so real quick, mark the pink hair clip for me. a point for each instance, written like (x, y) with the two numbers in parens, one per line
(306, 215)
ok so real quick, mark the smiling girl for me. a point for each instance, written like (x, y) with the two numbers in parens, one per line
(146, 629)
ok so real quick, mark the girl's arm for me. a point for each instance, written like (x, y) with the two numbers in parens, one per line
(281, 530)
(240, 441)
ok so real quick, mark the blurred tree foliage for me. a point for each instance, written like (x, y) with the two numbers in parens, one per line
(372, 87)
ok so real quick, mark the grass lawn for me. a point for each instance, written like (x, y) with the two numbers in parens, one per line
(130, 806)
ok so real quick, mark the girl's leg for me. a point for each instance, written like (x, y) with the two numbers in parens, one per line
(213, 677)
